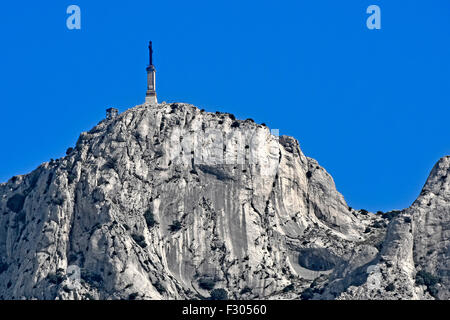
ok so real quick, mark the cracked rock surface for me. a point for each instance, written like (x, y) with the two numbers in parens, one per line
(170, 202)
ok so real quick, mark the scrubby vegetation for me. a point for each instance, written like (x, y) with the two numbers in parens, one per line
(307, 294)
(159, 287)
(288, 288)
(429, 280)
(133, 296)
(110, 164)
(149, 218)
(71, 177)
(235, 124)
(246, 290)
(91, 278)
(175, 226)
(206, 283)
(423, 277)
(378, 224)
(390, 287)
(55, 278)
(140, 240)
(390, 215)
(219, 294)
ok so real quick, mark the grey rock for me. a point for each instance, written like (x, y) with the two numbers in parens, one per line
(168, 202)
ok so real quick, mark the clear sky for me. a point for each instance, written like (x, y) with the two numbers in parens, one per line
(372, 106)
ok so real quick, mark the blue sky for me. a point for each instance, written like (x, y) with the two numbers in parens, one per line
(372, 106)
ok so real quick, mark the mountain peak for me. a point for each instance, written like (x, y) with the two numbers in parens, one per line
(166, 201)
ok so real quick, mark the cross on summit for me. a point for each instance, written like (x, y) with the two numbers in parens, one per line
(150, 96)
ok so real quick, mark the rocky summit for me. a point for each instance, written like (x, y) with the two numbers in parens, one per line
(171, 202)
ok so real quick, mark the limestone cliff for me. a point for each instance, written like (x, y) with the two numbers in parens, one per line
(168, 202)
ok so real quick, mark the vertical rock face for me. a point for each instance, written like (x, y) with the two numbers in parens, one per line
(414, 260)
(168, 202)
(430, 215)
